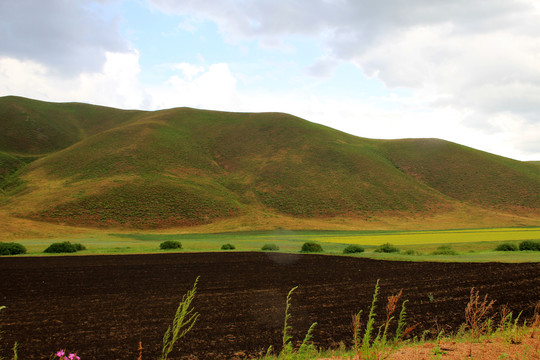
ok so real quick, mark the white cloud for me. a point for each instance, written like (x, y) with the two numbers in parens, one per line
(476, 59)
(213, 87)
(116, 85)
(67, 37)
(188, 70)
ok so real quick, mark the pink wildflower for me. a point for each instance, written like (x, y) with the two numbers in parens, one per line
(60, 353)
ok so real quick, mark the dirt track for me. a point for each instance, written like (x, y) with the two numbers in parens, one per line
(102, 306)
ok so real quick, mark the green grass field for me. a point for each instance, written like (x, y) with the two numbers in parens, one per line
(472, 245)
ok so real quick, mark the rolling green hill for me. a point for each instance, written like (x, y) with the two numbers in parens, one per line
(86, 165)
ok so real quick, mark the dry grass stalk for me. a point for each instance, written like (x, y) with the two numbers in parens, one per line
(408, 330)
(392, 304)
(476, 313)
(356, 330)
(506, 314)
(140, 349)
(536, 320)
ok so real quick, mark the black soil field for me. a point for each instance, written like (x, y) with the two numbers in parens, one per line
(102, 306)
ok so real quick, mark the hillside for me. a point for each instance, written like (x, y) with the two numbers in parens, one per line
(85, 165)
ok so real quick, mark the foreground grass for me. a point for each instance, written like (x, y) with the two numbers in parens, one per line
(474, 245)
(485, 335)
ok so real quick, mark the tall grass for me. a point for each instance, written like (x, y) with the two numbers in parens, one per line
(381, 345)
(184, 319)
(287, 351)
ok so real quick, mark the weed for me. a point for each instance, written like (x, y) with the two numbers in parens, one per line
(506, 318)
(356, 330)
(476, 313)
(184, 320)
(380, 346)
(139, 351)
(286, 340)
(371, 320)
(16, 352)
(516, 332)
(306, 345)
(287, 348)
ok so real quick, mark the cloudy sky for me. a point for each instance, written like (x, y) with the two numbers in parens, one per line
(467, 71)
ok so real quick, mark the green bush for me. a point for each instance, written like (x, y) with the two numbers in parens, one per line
(533, 245)
(444, 250)
(12, 249)
(64, 247)
(506, 247)
(270, 247)
(387, 248)
(352, 249)
(79, 246)
(311, 247)
(228, 247)
(170, 244)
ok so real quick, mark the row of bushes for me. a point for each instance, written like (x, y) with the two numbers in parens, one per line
(309, 247)
(63, 247)
(173, 244)
(527, 245)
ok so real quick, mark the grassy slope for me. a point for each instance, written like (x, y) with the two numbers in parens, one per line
(467, 174)
(190, 167)
(36, 127)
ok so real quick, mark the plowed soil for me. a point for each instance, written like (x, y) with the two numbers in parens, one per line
(102, 306)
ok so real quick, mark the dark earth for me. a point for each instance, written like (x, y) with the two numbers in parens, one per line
(102, 306)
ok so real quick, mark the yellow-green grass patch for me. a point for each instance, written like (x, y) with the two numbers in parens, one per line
(404, 238)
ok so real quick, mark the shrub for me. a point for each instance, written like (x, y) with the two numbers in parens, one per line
(311, 247)
(12, 249)
(444, 250)
(64, 247)
(270, 247)
(387, 248)
(352, 249)
(533, 245)
(506, 247)
(228, 247)
(170, 244)
(79, 246)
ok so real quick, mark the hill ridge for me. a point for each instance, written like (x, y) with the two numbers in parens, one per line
(188, 167)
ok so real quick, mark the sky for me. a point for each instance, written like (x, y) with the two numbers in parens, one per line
(466, 71)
